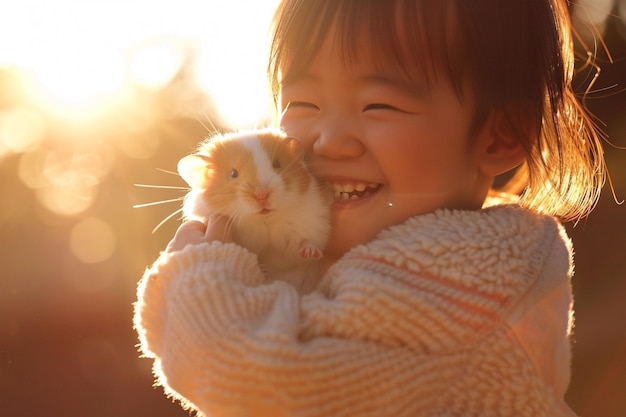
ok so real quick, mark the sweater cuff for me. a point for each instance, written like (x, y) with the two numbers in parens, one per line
(213, 259)
(187, 268)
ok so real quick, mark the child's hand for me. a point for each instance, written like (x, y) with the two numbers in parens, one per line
(194, 232)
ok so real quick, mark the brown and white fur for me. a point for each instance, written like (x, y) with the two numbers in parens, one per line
(276, 208)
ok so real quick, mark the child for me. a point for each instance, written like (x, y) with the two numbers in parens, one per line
(439, 297)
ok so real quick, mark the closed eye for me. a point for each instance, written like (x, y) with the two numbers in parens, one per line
(380, 106)
(302, 104)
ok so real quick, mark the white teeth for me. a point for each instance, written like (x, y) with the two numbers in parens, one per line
(345, 196)
(343, 192)
(348, 188)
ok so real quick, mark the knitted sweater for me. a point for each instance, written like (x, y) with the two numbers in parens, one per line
(453, 313)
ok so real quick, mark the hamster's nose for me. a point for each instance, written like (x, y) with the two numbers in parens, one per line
(262, 194)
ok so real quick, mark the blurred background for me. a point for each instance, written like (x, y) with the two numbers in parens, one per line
(97, 96)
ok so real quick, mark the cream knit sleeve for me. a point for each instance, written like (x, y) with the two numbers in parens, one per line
(228, 345)
(384, 335)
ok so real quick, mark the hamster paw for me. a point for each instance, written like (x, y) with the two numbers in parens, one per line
(266, 271)
(310, 251)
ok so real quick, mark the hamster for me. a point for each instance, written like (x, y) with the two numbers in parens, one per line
(276, 207)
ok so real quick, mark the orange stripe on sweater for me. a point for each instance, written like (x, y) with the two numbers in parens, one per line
(500, 300)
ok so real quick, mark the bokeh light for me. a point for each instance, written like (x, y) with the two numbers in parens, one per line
(21, 130)
(64, 183)
(78, 57)
(92, 240)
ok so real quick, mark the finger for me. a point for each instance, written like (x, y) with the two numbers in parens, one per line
(190, 232)
(191, 227)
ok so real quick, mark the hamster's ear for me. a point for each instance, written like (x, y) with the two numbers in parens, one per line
(296, 150)
(193, 169)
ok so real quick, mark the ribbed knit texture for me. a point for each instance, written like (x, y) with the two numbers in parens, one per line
(431, 319)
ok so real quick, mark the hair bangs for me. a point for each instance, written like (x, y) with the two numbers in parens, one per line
(414, 40)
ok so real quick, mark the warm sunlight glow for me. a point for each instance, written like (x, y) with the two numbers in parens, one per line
(79, 56)
(78, 81)
(156, 63)
(234, 60)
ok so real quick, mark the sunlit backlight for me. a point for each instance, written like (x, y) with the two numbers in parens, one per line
(79, 58)
(70, 53)
(156, 63)
(233, 61)
(92, 240)
(78, 83)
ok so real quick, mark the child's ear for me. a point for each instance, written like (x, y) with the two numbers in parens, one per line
(500, 142)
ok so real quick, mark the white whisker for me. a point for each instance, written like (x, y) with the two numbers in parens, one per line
(166, 219)
(208, 119)
(167, 172)
(233, 221)
(155, 203)
(170, 187)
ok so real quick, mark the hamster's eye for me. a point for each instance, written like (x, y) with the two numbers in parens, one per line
(276, 163)
(233, 173)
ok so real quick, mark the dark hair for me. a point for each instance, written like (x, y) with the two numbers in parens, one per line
(515, 55)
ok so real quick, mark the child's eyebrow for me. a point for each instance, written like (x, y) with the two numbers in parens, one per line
(413, 87)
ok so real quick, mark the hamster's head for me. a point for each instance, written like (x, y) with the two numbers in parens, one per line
(247, 173)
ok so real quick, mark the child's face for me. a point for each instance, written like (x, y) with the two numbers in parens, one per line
(408, 146)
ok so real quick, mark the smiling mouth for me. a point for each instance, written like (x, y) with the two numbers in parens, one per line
(354, 191)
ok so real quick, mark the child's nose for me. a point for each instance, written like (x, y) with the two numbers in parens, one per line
(337, 142)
